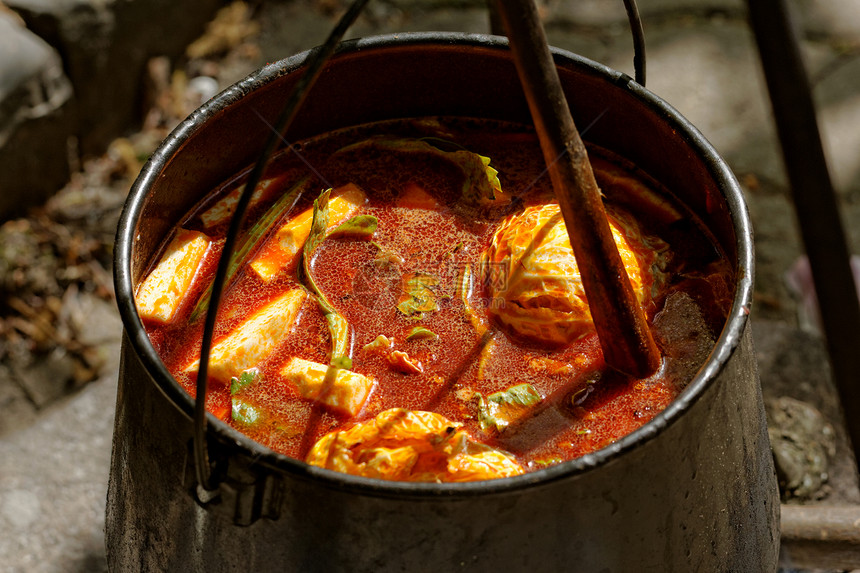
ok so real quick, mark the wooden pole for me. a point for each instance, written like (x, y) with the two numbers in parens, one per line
(627, 343)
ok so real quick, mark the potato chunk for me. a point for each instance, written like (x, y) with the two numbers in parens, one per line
(253, 340)
(167, 286)
(290, 238)
(411, 445)
(346, 393)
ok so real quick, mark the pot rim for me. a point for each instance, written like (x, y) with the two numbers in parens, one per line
(725, 346)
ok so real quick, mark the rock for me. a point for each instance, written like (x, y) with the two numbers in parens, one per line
(802, 442)
(35, 119)
(793, 363)
(105, 46)
(94, 321)
(46, 377)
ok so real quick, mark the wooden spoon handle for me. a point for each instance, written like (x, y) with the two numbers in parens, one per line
(627, 343)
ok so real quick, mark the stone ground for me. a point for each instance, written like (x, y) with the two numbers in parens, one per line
(55, 445)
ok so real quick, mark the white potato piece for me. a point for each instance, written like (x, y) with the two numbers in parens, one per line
(253, 340)
(346, 393)
(167, 286)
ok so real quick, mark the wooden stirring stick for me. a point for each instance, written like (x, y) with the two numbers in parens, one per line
(627, 343)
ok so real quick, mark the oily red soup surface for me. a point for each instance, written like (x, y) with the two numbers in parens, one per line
(584, 406)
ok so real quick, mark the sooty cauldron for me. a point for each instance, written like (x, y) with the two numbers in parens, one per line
(692, 490)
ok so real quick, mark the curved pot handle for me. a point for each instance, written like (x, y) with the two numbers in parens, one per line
(205, 470)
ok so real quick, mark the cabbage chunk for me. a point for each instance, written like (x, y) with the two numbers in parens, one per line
(534, 280)
(411, 445)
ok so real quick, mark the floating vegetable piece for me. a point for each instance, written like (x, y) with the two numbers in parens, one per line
(421, 333)
(481, 186)
(408, 445)
(168, 285)
(252, 239)
(253, 340)
(501, 409)
(337, 325)
(282, 250)
(414, 196)
(464, 288)
(338, 328)
(341, 390)
(536, 278)
(545, 365)
(379, 344)
(418, 296)
(250, 413)
(242, 410)
(404, 363)
(245, 379)
(485, 356)
(473, 461)
(245, 413)
(385, 258)
(363, 226)
(223, 209)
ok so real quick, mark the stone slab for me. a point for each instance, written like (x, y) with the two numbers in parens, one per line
(53, 479)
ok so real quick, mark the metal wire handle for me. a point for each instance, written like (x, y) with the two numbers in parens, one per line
(638, 40)
(203, 466)
(319, 57)
(633, 20)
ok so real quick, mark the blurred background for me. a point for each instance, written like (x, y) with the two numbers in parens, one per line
(88, 89)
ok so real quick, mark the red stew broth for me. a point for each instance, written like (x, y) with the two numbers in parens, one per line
(585, 406)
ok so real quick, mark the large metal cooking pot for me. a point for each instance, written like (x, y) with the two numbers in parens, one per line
(692, 490)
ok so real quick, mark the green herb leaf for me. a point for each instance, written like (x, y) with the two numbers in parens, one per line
(337, 325)
(418, 296)
(341, 362)
(244, 380)
(419, 332)
(500, 409)
(482, 184)
(363, 226)
(245, 412)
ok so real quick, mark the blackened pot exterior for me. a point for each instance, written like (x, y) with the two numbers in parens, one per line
(692, 490)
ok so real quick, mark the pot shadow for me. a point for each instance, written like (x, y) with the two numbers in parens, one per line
(93, 560)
